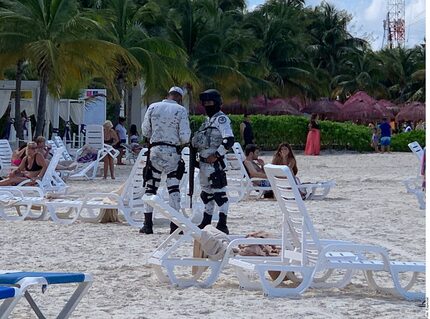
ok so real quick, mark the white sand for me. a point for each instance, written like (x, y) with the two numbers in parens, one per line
(369, 205)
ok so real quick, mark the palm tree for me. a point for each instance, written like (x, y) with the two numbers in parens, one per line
(162, 62)
(279, 29)
(330, 40)
(208, 32)
(59, 41)
(9, 55)
(404, 73)
(359, 71)
(12, 52)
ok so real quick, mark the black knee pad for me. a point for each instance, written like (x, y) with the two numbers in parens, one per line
(151, 189)
(220, 198)
(206, 197)
(173, 189)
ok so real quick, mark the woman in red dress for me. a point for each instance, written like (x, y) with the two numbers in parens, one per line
(313, 141)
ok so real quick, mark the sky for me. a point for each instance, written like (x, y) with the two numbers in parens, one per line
(368, 16)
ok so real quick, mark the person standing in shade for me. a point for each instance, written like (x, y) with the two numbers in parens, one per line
(212, 141)
(167, 127)
(385, 129)
(313, 141)
(122, 134)
(246, 131)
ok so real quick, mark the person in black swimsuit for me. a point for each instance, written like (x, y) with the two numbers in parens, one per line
(33, 167)
(110, 138)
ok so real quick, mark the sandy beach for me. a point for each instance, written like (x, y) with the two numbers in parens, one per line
(368, 205)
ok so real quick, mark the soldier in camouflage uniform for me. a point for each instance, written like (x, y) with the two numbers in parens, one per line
(167, 127)
(212, 141)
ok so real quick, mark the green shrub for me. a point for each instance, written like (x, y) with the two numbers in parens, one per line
(270, 130)
(399, 142)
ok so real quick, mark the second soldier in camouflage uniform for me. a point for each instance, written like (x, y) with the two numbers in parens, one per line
(212, 141)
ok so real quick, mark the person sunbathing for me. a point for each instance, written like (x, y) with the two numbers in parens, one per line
(254, 165)
(284, 156)
(255, 168)
(47, 153)
(33, 167)
(18, 155)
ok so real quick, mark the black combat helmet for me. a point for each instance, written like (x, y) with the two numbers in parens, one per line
(211, 95)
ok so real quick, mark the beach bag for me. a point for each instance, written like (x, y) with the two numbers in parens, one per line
(110, 215)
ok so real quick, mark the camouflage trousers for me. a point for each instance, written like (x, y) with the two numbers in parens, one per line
(164, 159)
(209, 195)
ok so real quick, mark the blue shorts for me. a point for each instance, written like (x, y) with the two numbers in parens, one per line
(263, 183)
(385, 141)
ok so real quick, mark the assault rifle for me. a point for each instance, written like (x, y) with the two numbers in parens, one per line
(193, 165)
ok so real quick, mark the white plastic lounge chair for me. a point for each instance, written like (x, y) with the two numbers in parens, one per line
(236, 190)
(65, 156)
(94, 138)
(59, 142)
(19, 202)
(302, 252)
(5, 158)
(168, 259)
(51, 181)
(12, 295)
(21, 281)
(129, 201)
(414, 184)
(421, 197)
(416, 148)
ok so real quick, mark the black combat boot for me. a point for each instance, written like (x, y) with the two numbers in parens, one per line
(147, 226)
(207, 219)
(222, 223)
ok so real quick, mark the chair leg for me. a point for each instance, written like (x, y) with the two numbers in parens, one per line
(194, 280)
(74, 300)
(273, 291)
(341, 283)
(34, 306)
(397, 290)
(8, 305)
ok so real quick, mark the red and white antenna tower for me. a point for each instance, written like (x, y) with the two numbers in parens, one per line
(394, 24)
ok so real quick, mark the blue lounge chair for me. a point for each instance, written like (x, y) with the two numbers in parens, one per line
(22, 280)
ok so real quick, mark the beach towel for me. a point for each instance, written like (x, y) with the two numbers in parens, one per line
(88, 154)
(264, 250)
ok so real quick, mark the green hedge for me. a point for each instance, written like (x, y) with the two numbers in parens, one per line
(400, 142)
(270, 130)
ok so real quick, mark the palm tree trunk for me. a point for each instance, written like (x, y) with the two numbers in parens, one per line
(119, 87)
(18, 82)
(41, 109)
(191, 108)
(129, 105)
